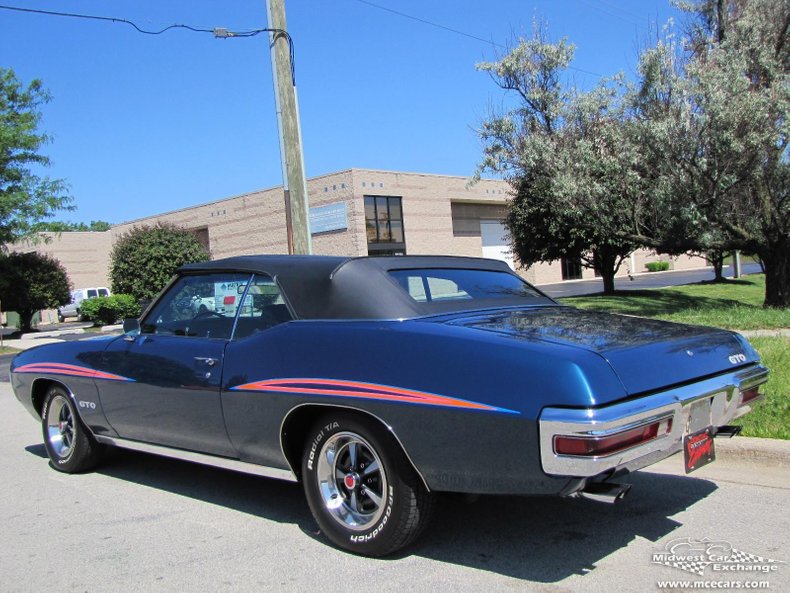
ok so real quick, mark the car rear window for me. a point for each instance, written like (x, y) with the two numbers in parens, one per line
(452, 284)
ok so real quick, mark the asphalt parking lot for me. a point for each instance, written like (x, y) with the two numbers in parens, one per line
(142, 523)
(641, 281)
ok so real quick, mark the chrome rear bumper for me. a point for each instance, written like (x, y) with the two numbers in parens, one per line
(711, 402)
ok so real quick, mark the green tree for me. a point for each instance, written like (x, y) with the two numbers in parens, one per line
(568, 157)
(25, 198)
(144, 259)
(56, 226)
(715, 131)
(30, 282)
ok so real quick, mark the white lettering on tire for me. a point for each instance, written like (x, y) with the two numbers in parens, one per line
(317, 441)
(359, 539)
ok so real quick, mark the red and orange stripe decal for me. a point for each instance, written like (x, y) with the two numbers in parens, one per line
(356, 389)
(57, 368)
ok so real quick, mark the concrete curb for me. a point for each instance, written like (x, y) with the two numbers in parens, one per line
(774, 451)
(768, 333)
(27, 344)
(52, 334)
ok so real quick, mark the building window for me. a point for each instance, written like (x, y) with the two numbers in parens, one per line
(571, 268)
(203, 237)
(384, 225)
(467, 217)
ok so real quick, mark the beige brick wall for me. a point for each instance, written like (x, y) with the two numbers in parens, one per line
(332, 189)
(254, 223)
(85, 256)
(243, 225)
(680, 262)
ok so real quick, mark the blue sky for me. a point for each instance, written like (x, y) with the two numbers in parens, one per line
(145, 124)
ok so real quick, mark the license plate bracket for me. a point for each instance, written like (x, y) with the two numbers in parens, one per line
(698, 449)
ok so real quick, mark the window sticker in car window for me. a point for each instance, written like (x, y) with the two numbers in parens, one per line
(198, 306)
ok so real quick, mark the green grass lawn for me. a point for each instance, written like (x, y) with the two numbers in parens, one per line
(735, 304)
(7, 350)
(771, 417)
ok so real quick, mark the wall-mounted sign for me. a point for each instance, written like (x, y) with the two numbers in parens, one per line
(331, 217)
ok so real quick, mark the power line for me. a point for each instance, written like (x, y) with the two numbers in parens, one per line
(218, 32)
(611, 11)
(432, 24)
(105, 18)
(456, 31)
(620, 9)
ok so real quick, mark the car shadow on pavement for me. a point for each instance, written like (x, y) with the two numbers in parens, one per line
(37, 450)
(542, 539)
(547, 539)
(276, 500)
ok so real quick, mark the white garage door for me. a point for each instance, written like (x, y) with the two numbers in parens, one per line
(496, 241)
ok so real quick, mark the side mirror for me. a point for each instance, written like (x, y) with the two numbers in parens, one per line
(131, 329)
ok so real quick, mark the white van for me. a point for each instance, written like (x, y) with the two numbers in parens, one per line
(77, 296)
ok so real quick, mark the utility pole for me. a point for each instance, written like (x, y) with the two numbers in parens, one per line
(736, 264)
(294, 182)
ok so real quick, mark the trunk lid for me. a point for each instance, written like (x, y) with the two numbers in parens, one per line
(646, 354)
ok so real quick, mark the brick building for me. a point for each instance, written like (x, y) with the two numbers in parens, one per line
(353, 212)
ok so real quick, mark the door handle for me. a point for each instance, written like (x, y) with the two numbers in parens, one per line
(207, 360)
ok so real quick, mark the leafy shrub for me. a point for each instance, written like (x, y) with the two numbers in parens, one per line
(110, 309)
(144, 259)
(657, 266)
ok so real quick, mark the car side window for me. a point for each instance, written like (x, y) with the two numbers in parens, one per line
(423, 288)
(458, 284)
(263, 307)
(198, 306)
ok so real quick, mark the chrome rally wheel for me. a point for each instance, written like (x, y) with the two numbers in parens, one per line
(60, 427)
(69, 444)
(352, 481)
(362, 490)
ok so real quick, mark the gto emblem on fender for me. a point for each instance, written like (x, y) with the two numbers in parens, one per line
(737, 358)
(89, 405)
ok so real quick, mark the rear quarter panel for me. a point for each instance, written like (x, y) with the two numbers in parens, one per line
(491, 447)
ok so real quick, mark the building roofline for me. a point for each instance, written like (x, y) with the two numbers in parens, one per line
(443, 175)
(201, 205)
(351, 170)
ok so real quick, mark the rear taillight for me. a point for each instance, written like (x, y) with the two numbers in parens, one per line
(595, 446)
(750, 394)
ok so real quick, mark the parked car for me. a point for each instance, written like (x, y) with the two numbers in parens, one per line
(77, 296)
(380, 382)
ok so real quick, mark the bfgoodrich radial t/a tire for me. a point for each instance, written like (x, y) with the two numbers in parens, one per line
(361, 489)
(70, 446)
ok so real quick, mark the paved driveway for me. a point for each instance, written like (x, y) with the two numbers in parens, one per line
(656, 280)
(148, 524)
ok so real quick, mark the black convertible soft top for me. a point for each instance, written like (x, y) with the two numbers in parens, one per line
(328, 287)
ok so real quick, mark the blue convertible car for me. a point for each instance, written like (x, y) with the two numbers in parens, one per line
(379, 382)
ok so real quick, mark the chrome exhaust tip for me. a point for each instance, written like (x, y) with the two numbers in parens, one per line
(728, 431)
(605, 492)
